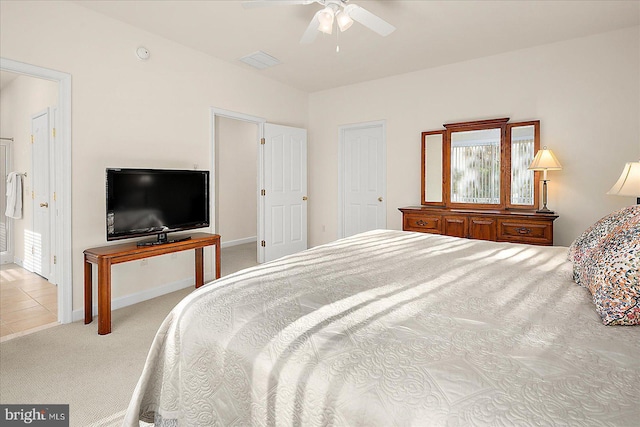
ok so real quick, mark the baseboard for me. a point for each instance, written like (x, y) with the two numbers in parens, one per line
(238, 242)
(148, 294)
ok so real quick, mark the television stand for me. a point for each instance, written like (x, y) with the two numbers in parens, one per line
(105, 256)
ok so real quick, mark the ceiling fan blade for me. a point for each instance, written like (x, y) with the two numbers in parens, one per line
(311, 32)
(266, 3)
(369, 20)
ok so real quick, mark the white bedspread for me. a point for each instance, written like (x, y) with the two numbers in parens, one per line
(392, 328)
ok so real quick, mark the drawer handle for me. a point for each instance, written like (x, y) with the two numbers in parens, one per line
(421, 223)
(523, 230)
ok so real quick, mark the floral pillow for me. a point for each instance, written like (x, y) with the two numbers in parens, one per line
(610, 272)
(591, 239)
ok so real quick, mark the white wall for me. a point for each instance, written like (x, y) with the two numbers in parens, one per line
(19, 101)
(585, 91)
(237, 182)
(132, 113)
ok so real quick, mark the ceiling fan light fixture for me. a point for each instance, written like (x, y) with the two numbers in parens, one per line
(325, 18)
(344, 21)
(326, 15)
(324, 28)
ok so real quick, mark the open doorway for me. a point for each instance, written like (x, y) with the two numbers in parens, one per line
(59, 180)
(231, 141)
(236, 177)
(29, 297)
(281, 184)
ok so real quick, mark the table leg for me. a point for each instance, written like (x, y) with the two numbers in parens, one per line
(199, 267)
(88, 292)
(104, 296)
(218, 258)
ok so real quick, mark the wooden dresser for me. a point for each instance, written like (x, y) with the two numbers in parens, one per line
(501, 226)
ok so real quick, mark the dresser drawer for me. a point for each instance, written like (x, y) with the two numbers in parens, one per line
(522, 231)
(422, 223)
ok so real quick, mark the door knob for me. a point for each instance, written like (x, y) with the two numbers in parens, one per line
(44, 205)
(379, 199)
(305, 198)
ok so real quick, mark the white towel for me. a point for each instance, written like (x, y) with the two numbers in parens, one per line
(14, 195)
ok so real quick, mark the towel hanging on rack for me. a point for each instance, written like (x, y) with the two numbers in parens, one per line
(14, 196)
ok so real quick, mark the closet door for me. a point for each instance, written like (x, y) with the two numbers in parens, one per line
(362, 179)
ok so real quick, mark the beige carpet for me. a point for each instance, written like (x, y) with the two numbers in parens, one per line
(95, 375)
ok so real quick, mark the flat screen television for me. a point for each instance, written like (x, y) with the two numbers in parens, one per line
(154, 202)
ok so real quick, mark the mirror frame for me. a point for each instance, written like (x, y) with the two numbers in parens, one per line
(505, 160)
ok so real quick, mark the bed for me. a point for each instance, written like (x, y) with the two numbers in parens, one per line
(393, 328)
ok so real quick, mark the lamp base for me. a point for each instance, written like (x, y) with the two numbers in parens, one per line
(544, 197)
(545, 210)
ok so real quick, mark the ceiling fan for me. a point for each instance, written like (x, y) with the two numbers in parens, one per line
(344, 14)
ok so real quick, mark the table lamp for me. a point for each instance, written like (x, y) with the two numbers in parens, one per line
(545, 160)
(629, 182)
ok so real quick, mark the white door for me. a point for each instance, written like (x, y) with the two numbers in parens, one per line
(37, 244)
(284, 193)
(362, 178)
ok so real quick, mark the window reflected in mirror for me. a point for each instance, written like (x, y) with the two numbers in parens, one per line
(475, 166)
(522, 154)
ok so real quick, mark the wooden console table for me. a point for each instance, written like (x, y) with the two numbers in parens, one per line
(106, 256)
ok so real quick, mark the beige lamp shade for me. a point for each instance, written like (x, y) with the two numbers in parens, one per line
(545, 160)
(629, 182)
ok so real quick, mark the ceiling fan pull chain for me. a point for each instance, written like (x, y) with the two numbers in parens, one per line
(337, 40)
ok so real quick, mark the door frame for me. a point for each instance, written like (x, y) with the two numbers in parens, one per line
(8, 254)
(259, 121)
(62, 181)
(342, 166)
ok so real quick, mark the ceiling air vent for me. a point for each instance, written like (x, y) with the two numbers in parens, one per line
(260, 60)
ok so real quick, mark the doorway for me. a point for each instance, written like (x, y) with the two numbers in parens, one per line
(60, 205)
(236, 174)
(229, 121)
(281, 185)
(362, 178)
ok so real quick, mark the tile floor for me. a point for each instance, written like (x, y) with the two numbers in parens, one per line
(27, 301)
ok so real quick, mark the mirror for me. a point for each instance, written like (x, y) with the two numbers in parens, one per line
(522, 153)
(481, 165)
(475, 166)
(432, 167)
